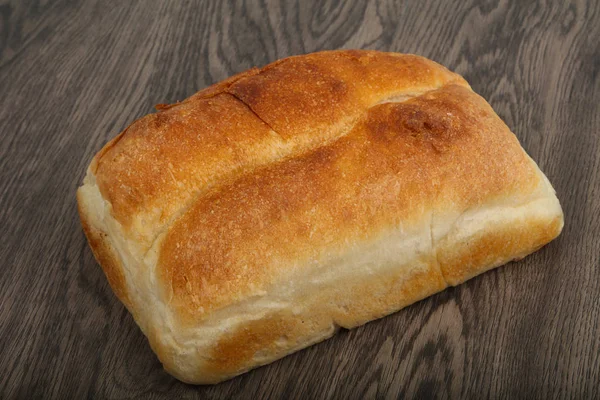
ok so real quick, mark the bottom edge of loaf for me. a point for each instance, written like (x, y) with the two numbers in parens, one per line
(283, 332)
(355, 301)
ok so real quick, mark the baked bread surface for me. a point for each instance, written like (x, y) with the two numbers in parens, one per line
(322, 191)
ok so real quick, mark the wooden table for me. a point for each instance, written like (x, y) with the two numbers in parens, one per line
(75, 73)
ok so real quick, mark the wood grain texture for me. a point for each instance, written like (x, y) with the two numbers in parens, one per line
(74, 73)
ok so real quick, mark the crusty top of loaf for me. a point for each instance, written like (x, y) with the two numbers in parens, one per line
(284, 167)
(443, 152)
(158, 166)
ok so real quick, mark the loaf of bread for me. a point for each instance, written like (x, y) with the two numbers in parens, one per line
(261, 214)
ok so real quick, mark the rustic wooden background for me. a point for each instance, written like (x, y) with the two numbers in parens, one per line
(74, 73)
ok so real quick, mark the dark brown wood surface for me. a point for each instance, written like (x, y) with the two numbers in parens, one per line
(74, 73)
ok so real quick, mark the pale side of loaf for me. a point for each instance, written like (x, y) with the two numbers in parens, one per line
(322, 191)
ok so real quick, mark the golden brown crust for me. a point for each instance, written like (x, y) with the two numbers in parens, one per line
(399, 163)
(322, 93)
(325, 190)
(165, 156)
(165, 159)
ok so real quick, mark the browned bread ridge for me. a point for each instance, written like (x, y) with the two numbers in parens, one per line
(321, 191)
